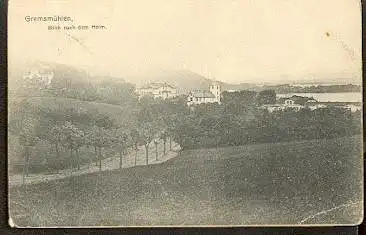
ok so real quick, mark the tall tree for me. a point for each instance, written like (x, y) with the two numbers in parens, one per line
(121, 141)
(266, 97)
(72, 138)
(54, 137)
(164, 137)
(156, 142)
(146, 136)
(100, 138)
(135, 139)
(27, 139)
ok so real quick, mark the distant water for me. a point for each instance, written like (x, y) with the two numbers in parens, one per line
(329, 97)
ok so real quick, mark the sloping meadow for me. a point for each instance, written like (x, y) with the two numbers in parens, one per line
(282, 183)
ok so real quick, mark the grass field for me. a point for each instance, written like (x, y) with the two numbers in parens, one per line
(61, 105)
(317, 181)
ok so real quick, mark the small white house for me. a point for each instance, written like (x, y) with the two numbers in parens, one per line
(316, 106)
(273, 107)
(289, 102)
(353, 108)
(297, 100)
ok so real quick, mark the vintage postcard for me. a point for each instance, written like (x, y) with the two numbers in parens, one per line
(185, 113)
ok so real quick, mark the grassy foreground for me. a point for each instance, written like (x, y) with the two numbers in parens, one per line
(281, 183)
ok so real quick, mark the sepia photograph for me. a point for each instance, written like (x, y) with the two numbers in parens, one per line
(183, 113)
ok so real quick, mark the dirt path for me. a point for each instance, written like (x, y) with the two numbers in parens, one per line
(110, 163)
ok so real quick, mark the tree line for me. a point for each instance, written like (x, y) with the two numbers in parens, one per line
(97, 132)
(239, 120)
(286, 88)
(250, 126)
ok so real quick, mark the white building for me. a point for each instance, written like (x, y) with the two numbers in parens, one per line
(39, 76)
(294, 103)
(353, 108)
(316, 106)
(204, 97)
(157, 90)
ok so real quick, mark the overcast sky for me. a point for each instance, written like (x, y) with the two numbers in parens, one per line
(228, 40)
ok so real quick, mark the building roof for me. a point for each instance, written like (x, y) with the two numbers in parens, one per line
(297, 99)
(156, 85)
(202, 94)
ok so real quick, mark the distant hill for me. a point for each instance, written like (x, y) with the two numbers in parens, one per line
(59, 69)
(39, 74)
(184, 80)
(106, 79)
(327, 81)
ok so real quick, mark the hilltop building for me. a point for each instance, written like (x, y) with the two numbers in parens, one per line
(157, 90)
(41, 76)
(203, 97)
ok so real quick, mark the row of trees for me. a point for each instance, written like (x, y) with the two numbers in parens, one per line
(250, 98)
(74, 133)
(213, 125)
(73, 138)
(287, 88)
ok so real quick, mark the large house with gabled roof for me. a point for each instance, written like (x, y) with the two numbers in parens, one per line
(157, 90)
(41, 75)
(204, 97)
